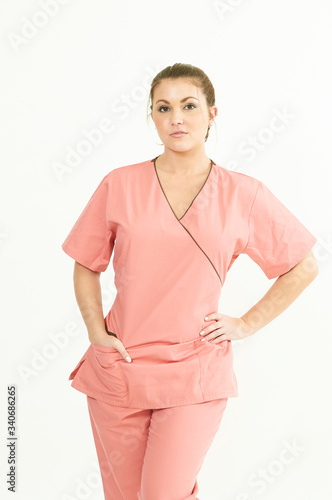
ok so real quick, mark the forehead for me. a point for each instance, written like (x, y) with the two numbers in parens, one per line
(176, 89)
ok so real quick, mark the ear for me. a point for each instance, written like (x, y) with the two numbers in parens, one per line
(213, 112)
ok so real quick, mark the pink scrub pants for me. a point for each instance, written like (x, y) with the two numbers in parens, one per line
(153, 454)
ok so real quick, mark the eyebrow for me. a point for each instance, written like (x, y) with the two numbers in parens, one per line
(182, 100)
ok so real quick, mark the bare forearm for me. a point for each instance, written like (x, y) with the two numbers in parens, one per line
(89, 300)
(282, 293)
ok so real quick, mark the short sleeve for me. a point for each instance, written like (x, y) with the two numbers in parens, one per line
(91, 240)
(277, 239)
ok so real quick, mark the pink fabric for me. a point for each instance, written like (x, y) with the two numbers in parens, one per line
(153, 454)
(169, 273)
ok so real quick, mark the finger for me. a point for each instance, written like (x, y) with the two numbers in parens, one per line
(212, 328)
(212, 316)
(123, 352)
(212, 335)
(219, 340)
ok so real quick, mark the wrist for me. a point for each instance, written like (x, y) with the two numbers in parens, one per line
(247, 328)
(98, 336)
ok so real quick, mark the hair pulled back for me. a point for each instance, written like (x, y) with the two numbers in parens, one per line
(190, 72)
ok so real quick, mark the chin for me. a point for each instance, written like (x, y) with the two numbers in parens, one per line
(178, 145)
(179, 149)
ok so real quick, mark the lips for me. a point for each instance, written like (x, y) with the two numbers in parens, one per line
(179, 133)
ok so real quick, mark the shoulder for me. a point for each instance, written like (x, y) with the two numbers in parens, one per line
(237, 182)
(123, 172)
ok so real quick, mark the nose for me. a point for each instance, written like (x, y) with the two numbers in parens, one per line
(176, 117)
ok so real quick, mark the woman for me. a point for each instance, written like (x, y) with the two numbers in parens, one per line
(155, 392)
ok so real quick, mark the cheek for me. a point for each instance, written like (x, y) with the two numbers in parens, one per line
(160, 124)
(198, 123)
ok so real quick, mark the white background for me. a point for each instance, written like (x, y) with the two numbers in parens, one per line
(65, 71)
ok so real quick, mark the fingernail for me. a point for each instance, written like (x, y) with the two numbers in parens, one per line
(202, 333)
(128, 359)
(206, 318)
(203, 339)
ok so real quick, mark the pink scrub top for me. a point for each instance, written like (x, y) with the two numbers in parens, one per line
(168, 274)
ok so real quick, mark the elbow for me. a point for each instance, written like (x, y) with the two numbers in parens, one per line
(312, 274)
(310, 264)
(308, 267)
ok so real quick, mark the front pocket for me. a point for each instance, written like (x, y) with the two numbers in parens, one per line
(216, 363)
(108, 365)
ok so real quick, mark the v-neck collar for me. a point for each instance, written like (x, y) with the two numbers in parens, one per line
(192, 201)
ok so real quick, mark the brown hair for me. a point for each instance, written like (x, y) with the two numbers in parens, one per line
(192, 73)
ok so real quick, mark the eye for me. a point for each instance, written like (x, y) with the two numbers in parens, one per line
(166, 107)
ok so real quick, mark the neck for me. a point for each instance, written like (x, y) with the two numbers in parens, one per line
(184, 162)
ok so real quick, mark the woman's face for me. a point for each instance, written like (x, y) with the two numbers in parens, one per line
(180, 105)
